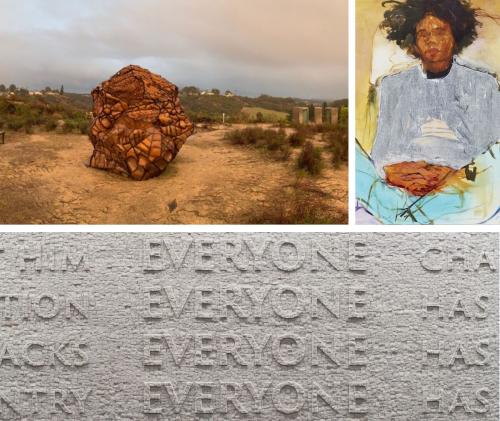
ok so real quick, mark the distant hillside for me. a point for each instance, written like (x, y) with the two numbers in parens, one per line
(264, 114)
(22, 109)
(211, 107)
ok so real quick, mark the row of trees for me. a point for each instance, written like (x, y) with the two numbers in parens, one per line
(193, 90)
(14, 88)
(342, 112)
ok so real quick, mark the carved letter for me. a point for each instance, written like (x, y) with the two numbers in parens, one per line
(230, 346)
(46, 313)
(357, 350)
(152, 345)
(80, 400)
(26, 354)
(231, 298)
(296, 308)
(258, 349)
(433, 264)
(59, 397)
(173, 300)
(481, 396)
(257, 396)
(459, 307)
(288, 407)
(459, 402)
(285, 358)
(358, 253)
(320, 254)
(316, 346)
(357, 399)
(205, 399)
(204, 256)
(178, 356)
(204, 348)
(258, 254)
(205, 303)
(288, 265)
(230, 392)
(5, 354)
(178, 400)
(318, 392)
(152, 301)
(257, 300)
(149, 397)
(357, 304)
(332, 304)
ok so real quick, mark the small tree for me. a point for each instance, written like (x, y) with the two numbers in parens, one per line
(215, 91)
(47, 89)
(190, 90)
(2, 88)
(24, 92)
(61, 91)
(12, 88)
(344, 116)
(259, 117)
(311, 112)
(310, 159)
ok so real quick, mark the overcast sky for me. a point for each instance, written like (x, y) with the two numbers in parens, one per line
(279, 47)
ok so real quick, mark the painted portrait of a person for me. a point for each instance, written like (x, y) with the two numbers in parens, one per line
(434, 157)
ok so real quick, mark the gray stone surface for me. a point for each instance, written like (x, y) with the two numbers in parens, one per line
(249, 327)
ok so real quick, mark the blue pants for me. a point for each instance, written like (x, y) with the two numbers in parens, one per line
(472, 202)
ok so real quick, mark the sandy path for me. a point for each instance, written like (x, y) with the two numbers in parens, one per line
(44, 180)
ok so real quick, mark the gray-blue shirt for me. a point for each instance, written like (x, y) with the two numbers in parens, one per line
(445, 121)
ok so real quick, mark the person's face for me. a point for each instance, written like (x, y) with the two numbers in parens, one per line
(435, 43)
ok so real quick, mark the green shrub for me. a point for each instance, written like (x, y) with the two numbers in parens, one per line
(310, 159)
(299, 137)
(68, 127)
(50, 124)
(273, 142)
(300, 203)
(15, 123)
(84, 126)
(338, 145)
(28, 112)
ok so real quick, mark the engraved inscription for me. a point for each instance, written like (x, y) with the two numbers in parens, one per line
(218, 302)
(285, 397)
(52, 258)
(249, 326)
(209, 255)
(458, 258)
(43, 353)
(45, 306)
(43, 401)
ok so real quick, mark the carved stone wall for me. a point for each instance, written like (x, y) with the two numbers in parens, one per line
(249, 327)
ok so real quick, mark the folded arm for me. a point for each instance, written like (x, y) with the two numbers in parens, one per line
(458, 200)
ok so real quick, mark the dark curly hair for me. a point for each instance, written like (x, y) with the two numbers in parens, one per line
(401, 20)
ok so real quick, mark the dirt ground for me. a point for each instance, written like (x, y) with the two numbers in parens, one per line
(44, 180)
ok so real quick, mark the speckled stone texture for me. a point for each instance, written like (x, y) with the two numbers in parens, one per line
(399, 327)
(139, 125)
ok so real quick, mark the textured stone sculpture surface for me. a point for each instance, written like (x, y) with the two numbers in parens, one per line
(239, 327)
(139, 125)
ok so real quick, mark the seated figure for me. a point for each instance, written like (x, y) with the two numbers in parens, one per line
(435, 157)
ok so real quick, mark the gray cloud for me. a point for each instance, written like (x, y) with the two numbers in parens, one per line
(279, 47)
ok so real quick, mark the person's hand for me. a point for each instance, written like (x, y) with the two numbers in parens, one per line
(418, 178)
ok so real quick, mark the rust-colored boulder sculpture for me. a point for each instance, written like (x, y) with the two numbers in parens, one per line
(139, 125)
